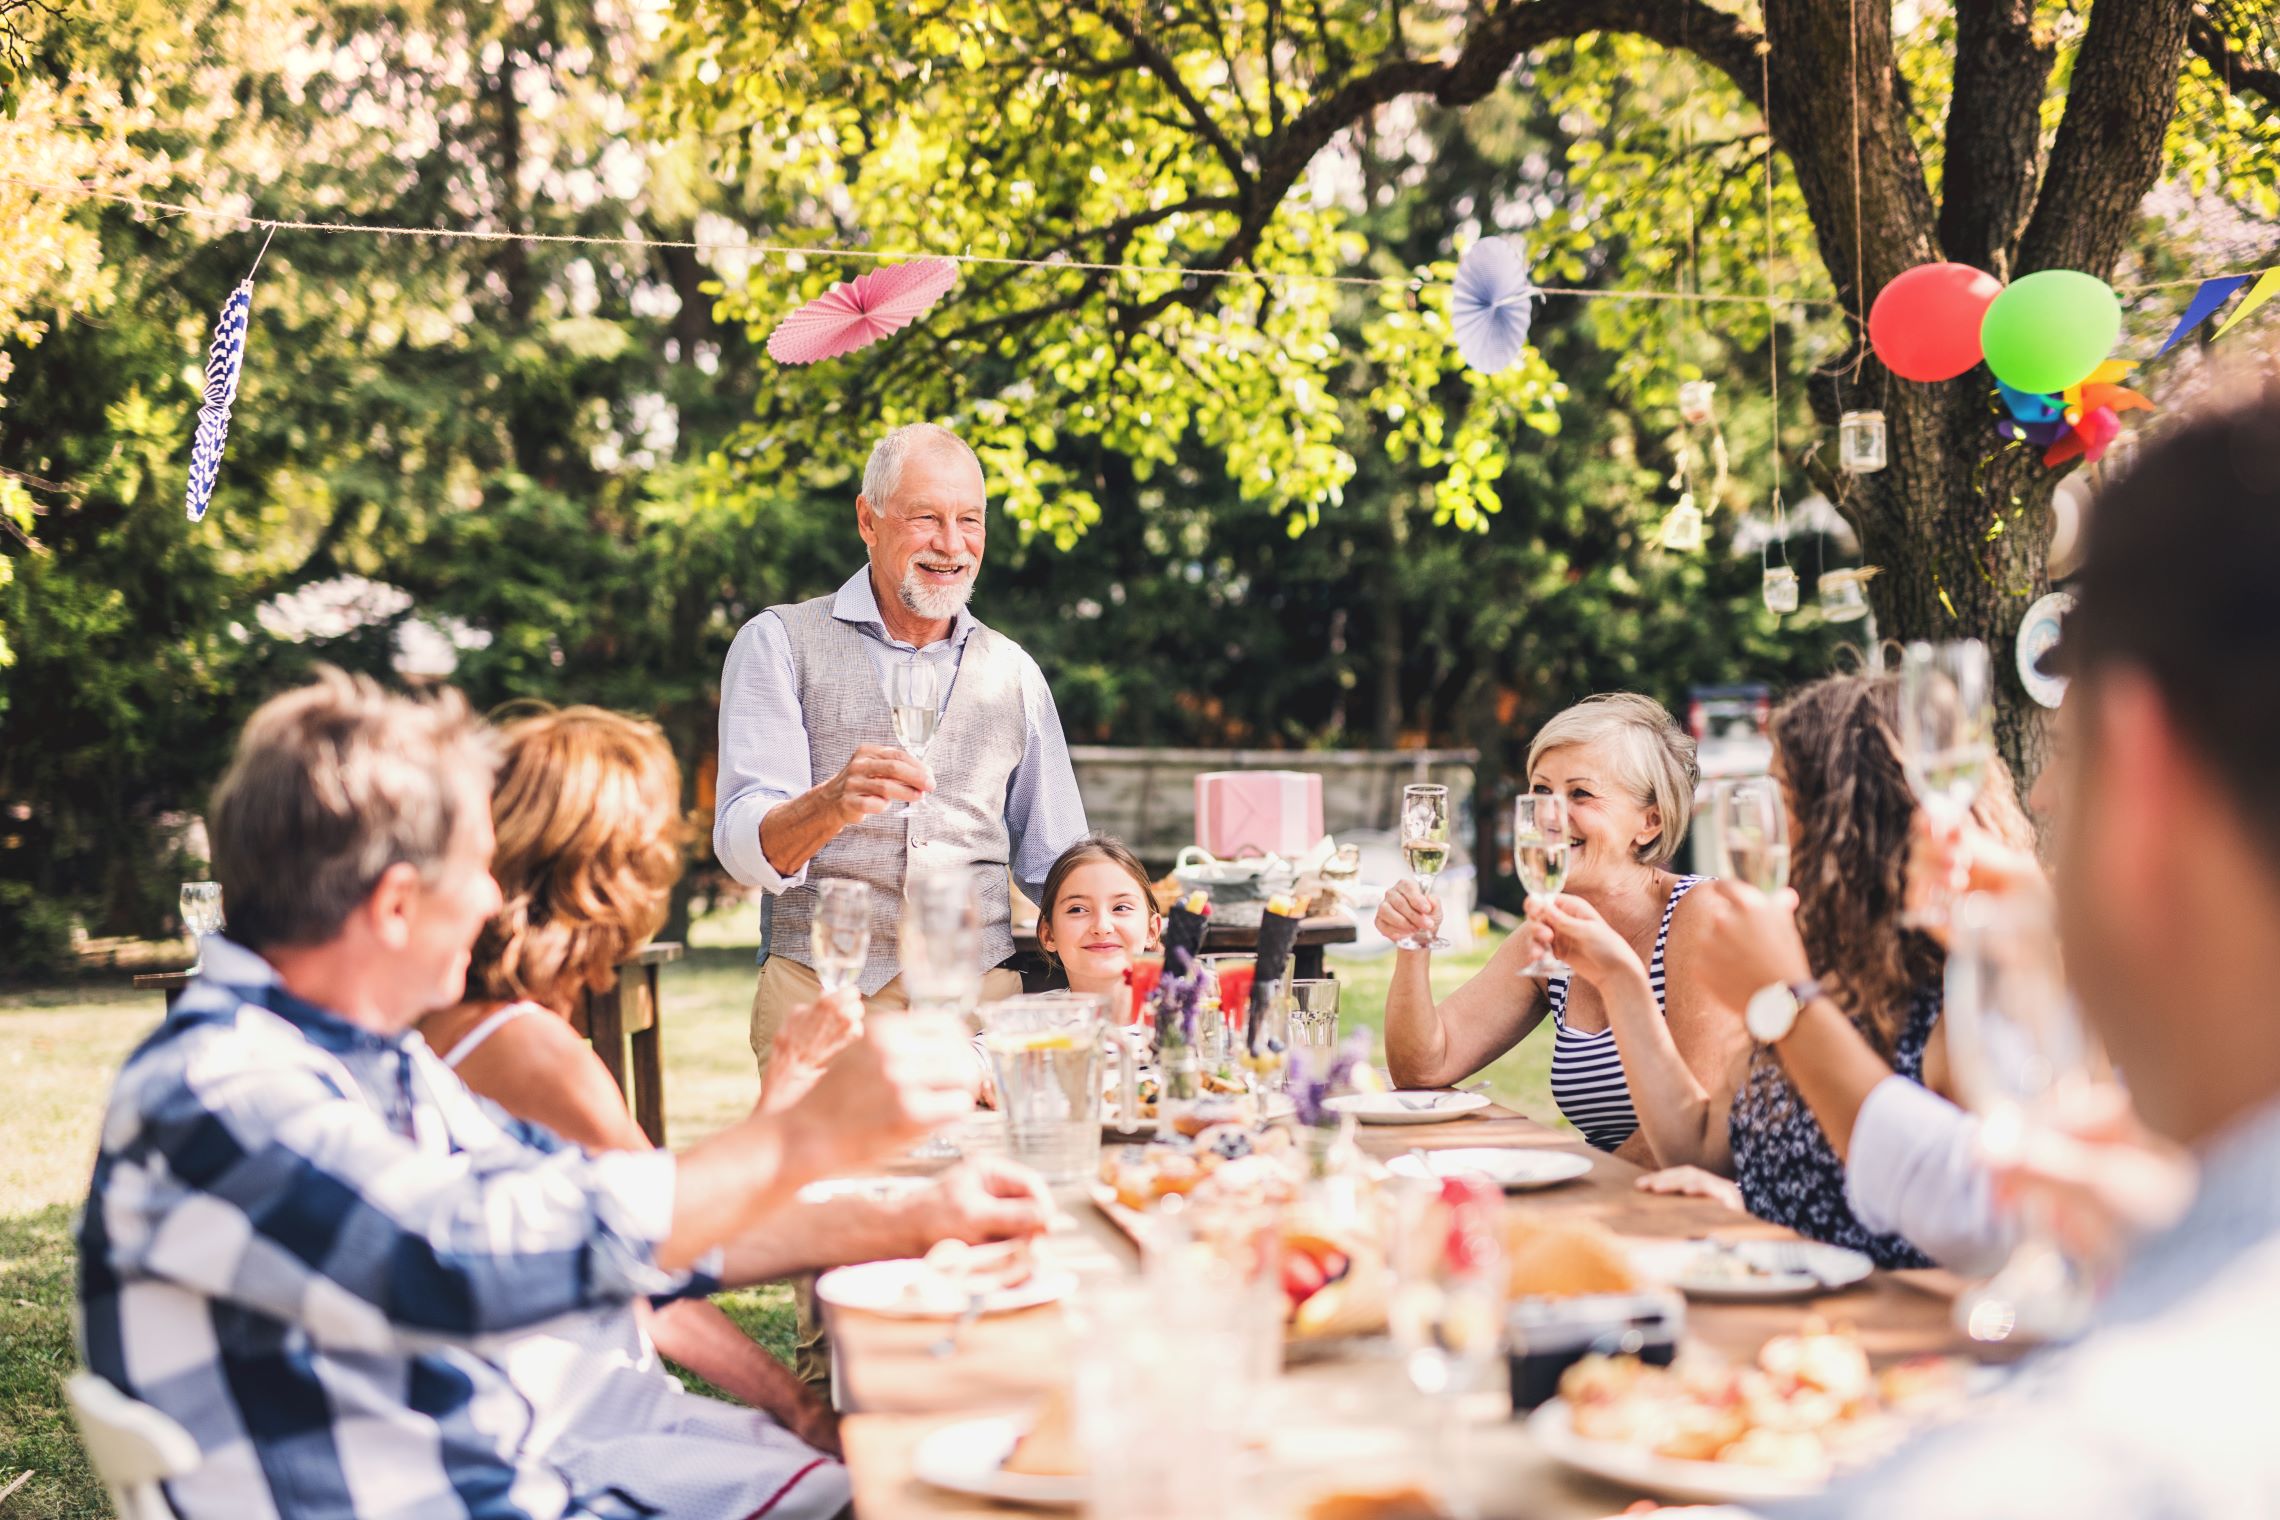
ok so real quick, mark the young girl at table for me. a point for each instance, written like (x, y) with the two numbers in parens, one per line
(1098, 919)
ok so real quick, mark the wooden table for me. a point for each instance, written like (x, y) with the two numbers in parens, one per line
(1232, 939)
(630, 1014)
(1359, 1409)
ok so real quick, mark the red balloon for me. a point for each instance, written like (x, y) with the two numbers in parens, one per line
(1925, 324)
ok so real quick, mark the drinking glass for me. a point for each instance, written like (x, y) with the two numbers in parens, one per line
(1226, 1002)
(201, 916)
(2019, 1051)
(1753, 832)
(1447, 1313)
(1313, 1011)
(940, 947)
(1156, 1374)
(1540, 852)
(914, 703)
(1047, 1052)
(1425, 846)
(1947, 738)
(839, 936)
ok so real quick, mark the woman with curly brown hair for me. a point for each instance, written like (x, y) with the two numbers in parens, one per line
(1863, 989)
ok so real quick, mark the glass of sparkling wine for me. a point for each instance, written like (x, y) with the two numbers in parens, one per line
(201, 915)
(914, 701)
(1425, 845)
(1947, 738)
(940, 947)
(1753, 832)
(839, 936)
(1540, 851)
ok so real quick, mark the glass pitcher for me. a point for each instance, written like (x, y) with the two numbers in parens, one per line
(1050, 1053)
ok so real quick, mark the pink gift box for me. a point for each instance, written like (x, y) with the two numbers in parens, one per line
(1258, 812)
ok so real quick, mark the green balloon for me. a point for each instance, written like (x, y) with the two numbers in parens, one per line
(2049, 330)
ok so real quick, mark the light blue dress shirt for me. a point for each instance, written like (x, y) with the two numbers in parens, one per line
(764, 744)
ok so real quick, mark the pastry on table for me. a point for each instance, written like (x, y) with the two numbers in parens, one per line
(1408, 1502)
(1566, 1259)
(1048, 1448)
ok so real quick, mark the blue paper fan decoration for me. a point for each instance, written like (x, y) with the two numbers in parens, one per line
(1490, 303)
(224, 362)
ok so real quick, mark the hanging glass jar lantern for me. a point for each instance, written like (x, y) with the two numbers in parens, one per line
(1844, 594)
(1682, 526)
(1860, 442)
(1694, 397)
(1780, 589)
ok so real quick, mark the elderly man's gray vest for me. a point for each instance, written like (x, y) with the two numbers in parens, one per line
(961, 825)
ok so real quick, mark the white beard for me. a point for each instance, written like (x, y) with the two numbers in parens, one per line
(935, 602)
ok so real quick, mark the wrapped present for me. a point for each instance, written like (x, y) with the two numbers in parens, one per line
(1258, 812)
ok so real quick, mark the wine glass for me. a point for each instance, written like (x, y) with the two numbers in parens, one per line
(1540, 851)
(1425, 845)
(940, 945)
(839, 936)
(1947, 739)
(1447, 1312)
(914, 703)
(201, 916)
(1753, 832)
(2019, 1053)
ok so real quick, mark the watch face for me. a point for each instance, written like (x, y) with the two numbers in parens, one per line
(1771, 1011)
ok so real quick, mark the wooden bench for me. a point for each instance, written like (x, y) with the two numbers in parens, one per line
(628, 1018)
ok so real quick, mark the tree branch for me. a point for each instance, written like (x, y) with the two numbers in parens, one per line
(1156, 62)
(2233, 70)
(1994, 131)
(2109, 145)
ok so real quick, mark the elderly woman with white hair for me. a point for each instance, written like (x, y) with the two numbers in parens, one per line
(1628, 773)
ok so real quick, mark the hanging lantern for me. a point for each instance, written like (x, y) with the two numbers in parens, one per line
(1844, 594)
(1694, 401)
(1860, 442)
(1780, 589)
(1682, 528)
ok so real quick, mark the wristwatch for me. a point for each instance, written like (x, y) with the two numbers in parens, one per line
(1773, 1008)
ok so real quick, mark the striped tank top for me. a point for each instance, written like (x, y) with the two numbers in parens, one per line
(1587, 1070)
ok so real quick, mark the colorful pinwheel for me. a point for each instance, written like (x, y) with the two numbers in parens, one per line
(225, 361)
(1489, 304)
(860, 312)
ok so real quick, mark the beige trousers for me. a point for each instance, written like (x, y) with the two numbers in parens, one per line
(785, 984)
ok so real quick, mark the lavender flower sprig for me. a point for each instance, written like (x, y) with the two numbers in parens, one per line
(1312, 1086)
(1178, 995)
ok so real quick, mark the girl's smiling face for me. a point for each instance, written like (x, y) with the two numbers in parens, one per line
(1099, 923)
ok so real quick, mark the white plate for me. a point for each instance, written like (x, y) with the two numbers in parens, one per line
(1663, 1477)
(878, 1189)
(969, 1458)
(1785, 1268)
(1423, 1107)
(1514, 1170)
(906, 1289)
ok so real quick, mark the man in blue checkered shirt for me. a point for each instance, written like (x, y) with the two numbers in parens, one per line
(311, 1246)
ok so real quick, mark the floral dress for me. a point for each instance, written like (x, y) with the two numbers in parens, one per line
(1788, 1172)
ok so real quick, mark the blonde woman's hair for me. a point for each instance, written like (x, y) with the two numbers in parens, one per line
(587, 812)
(1653, 758)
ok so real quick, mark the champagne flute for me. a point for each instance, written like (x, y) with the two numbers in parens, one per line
(1447, 1311)
(1425, 845)
(201, 916)
(940, 946)
(1540, 850)
(1753, 832)
(2019, 1051)
(914, 703)
(1947, 739)
(839, 936)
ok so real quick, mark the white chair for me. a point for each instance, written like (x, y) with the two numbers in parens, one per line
(132, 1445)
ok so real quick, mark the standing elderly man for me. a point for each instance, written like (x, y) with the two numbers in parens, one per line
(808, 760)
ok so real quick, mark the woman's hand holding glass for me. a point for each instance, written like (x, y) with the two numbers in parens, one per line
(1749, 941)
(812, 1034)
(1572, 929)
(1407, 913)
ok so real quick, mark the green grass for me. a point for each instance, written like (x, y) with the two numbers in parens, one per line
(60, 1047)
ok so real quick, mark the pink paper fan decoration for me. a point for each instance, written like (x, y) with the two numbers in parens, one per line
(861, 311)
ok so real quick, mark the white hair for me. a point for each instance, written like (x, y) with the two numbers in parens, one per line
(1653, 757)
(882, 474)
